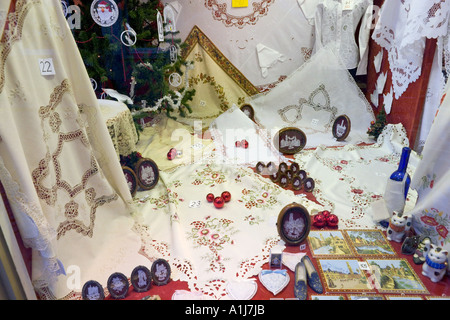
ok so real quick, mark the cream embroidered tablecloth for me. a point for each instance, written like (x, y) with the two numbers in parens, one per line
(119, 121)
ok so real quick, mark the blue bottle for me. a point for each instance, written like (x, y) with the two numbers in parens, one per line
(400, 173)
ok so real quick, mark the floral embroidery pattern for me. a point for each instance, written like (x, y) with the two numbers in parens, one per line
(209, 177)
(213, 234)
(436, 224)
(264, 198)
(220, 13)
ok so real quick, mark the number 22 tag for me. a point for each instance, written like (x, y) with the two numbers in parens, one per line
(46, 67)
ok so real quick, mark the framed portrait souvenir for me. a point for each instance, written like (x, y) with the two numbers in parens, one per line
(271, 167)
(302, 175)
(92, 290)
(296, 183)
(289, 140)
(260, 167)
(141, 279)
(147, 173)
(309, 184)
(118, 285)
(295, 168)
(248, 111)
(341, 128)
(294, 224)
(289, 174)
(275, 176)
(284, 180)
(283, 167)
(161, 272)
(131, 179)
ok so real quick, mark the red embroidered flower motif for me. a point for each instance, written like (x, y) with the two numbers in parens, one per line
(383, 160)
(337, 168)
(429, 221)
(431, 184)
(344, 161)
(443, 232)
(358, 191)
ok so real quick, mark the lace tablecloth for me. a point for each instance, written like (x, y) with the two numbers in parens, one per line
(120, 125)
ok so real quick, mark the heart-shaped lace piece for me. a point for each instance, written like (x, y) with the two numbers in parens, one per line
(242, 290)
(274, 280)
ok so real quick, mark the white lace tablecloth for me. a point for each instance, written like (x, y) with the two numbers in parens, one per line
(350, 178)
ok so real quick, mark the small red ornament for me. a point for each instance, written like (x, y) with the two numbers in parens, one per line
(219, 202)
(210, 197)
(172, 154)
(319, 220)
(226, 196)
(237, 144)
(244, 144)
(332, 221)
(326, 214)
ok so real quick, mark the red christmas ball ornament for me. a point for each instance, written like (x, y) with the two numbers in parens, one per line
(244, 144)
(319, 220)
(219, 202)
(172, 154)
(226, 196)
(237, 144)
(332, 220)
(210, 197)
(326, 214)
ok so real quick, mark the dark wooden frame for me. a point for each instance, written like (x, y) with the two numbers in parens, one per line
(283, 215)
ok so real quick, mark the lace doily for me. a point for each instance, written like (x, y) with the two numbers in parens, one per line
(402, 29)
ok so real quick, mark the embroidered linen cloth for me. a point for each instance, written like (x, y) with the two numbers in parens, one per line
(350, 179)
(431, 215)
(311, 98)
(217, 83)
(339, 22)
(234, 126)
(279, 25)
(57, 161)
(402, 29)
(120, 125)
(209, 247)
(156, 141)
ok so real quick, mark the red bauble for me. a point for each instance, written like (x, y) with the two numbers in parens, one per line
(219, 202)
(237, 144)
(319, 220)
(172, 154)
(226, 196)
(326, 214)
(210, 197)
(244, 144)
(332, 220)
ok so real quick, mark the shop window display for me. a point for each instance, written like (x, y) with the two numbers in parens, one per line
(209, 185)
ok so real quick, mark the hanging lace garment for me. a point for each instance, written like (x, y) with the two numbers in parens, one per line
(58, 165)
(338, 21)
(402, 30)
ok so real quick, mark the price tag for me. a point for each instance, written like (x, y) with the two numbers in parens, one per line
(195, 204)
(239, 3)
(363, 265)
(347, 5)
(46, 67)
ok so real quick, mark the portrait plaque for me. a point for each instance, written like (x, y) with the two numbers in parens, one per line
(309, 184)
(141, 279)
(341, 128)
(131, 179)
(295, 168)
(302, 175)
(248, 111)
(118, 285)
(289, 140)
(296, 183)
(147, 173)
(284, 180)
(92, 290)
(161, 272)
(294, 224)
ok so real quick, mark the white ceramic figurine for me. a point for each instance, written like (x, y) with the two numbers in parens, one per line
(398, 226)
(435, 264)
